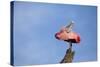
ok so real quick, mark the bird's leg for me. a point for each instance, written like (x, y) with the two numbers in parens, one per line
(69, 50)
(70, 45)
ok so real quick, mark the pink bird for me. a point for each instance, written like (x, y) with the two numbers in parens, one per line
(66, 34)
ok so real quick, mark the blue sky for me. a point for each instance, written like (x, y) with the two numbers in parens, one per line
(35, 25)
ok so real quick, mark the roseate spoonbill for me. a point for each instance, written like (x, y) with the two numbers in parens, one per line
(67, 35)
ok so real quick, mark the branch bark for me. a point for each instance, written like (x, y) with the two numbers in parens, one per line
(68, 58)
